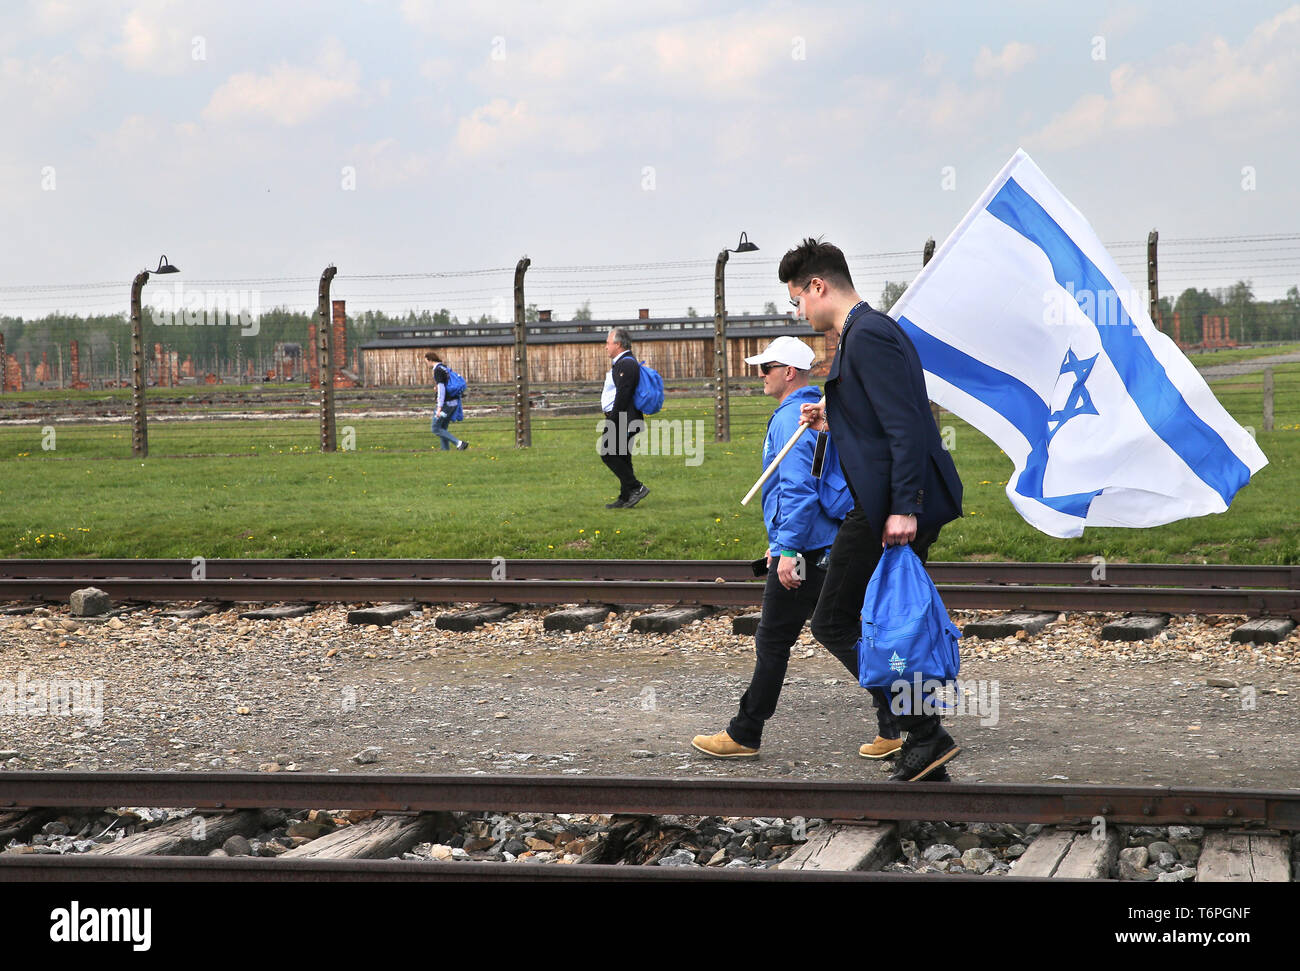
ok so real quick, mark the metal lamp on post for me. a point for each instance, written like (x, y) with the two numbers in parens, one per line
(721, 403)
(139, 428)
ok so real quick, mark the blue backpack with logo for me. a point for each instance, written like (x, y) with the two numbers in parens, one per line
(649, 396)
(907, 635)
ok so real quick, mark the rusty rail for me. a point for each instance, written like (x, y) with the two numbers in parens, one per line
(726, 594)
(1189, 575)
(32, 868)
(1061, 805)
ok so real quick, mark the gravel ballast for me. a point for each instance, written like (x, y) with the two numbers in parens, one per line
(1188, 707)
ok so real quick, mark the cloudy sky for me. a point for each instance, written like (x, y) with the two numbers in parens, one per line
(264, 140)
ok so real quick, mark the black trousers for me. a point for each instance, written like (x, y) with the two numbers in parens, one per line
(837, 619)
(619, 458)
(784, 614)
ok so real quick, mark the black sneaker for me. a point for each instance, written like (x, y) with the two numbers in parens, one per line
(461, 446)
(920, 758)
(938, 775)
(636, 497)
(616, 504)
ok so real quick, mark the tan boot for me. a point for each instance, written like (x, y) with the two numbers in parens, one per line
(881, 748)
(721, 746)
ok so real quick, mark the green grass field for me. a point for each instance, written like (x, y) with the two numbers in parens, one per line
(261, 488)
(1234, 354)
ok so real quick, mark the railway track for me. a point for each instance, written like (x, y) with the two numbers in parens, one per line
(1248, 808)
(1230, 816)
(1074, 813)
(1166, 588)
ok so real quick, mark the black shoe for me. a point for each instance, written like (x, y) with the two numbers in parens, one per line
(616, 504)
(920, 758)
(461, 446)
(636, 497)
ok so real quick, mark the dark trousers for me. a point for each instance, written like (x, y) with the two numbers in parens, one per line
(837, 620)
(619, 458)
(784, 613)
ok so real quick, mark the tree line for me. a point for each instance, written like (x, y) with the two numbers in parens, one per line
(105, 339)
(1248, 320)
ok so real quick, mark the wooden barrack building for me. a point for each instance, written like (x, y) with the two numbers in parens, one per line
(572, 352)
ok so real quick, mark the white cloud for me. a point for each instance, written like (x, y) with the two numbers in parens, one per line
(728, 57)
(1252, 83)
(149, 36)
(137, 134)
(956, 108)
(740, 136)
(585, 97)
(383, 164)
(288, 95)
(553, 59)
(195, 154)
(151, 44)
(1121, 21)
(497, 124)
(1077, 125)
(574, 45)
(1013, 57)
(501, 127)
(57, 15)
(527, 18)
(44, 84)
(437, 69)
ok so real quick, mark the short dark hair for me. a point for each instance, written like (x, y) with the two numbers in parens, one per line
(813, 258)
(431, 356)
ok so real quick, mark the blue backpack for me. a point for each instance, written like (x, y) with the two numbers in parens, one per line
(907, 635)
(455, 392)
(649, 396)
(832, 487)
(455, 385)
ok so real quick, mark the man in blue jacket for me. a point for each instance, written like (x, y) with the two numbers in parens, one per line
(799, 532)
(903, 480)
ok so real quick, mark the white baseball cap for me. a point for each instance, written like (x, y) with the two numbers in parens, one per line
(785, 350)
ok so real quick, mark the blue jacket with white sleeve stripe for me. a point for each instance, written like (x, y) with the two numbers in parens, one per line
(792, 508)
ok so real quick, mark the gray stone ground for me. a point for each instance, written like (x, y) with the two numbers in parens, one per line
(308, 694)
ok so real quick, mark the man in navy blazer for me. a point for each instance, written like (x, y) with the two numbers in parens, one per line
(903, 480)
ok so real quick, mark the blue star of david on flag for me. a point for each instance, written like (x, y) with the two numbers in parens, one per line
(897, 664)
(1078, 401)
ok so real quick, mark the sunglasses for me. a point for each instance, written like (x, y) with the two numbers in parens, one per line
(768, 365)
(795, 302)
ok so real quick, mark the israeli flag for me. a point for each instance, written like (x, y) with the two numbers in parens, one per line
(1027, 329)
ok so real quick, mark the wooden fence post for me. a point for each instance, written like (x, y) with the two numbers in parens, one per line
(523, 418)
(1268, 399)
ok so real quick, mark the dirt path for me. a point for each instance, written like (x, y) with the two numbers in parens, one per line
(222, 693)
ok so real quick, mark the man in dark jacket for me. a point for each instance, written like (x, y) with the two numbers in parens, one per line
(904, 482)
(622, 419)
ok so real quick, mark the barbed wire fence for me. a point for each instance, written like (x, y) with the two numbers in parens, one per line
(75, 338)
